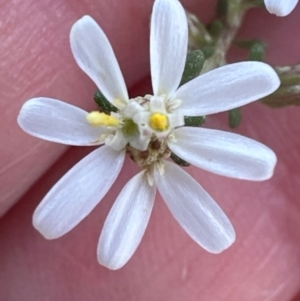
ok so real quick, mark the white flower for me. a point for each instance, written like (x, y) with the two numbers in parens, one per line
(83, 187)
(280, 8)
(194, 209)
(159, 119)
(220, 152)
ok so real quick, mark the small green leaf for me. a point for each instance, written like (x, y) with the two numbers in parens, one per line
(193, 66)
(194, 120)
(222, 8)
(257, 52)
(257, 49)
(208, 51)
(215, 28)
(178, 160)
(234, 118)
(103, 103)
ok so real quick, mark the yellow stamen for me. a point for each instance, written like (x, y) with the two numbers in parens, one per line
(159, 122)
(96, 118)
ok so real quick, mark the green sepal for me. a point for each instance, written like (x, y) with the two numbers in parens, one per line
(104, 105)
(193, 66)
(234, 117)
(178, 160)
(194, 120)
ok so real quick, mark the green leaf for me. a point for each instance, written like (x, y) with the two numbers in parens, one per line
(208, 51)
(215, 28)
(178, 160)
(105, 106)
(257, 52)
(194, 120)
(222, 8)
(193, 66)
(257, 49)
(234, 118)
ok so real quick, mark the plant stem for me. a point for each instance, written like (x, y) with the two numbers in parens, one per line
(233, 20)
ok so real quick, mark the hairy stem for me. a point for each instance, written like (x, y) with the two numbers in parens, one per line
(232, 22)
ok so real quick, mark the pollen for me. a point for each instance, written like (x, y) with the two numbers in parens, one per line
(96, 118)
(159, 122)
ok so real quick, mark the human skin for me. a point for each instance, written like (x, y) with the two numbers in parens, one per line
(263, 263)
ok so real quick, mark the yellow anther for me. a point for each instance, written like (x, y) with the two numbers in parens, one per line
(101, 119)
(159, 122)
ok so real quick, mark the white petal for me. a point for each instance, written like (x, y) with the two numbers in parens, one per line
(117, 140)
(280, 7)
(227, 87)
(95, 56)
(168, 46)
(126, 223)
(132, 109)
(142, 120)
(157, 104)
(194, 209)
(224, 153)
(142, 117)
(139, 142)
(77, 193)
(176, 120)
(57, 121)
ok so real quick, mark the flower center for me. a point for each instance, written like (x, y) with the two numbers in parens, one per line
(129, 128)
(96, 118)
(159, 122)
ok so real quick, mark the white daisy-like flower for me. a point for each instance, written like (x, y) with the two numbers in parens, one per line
(83, 187)
(220, 152)
(280, 8)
